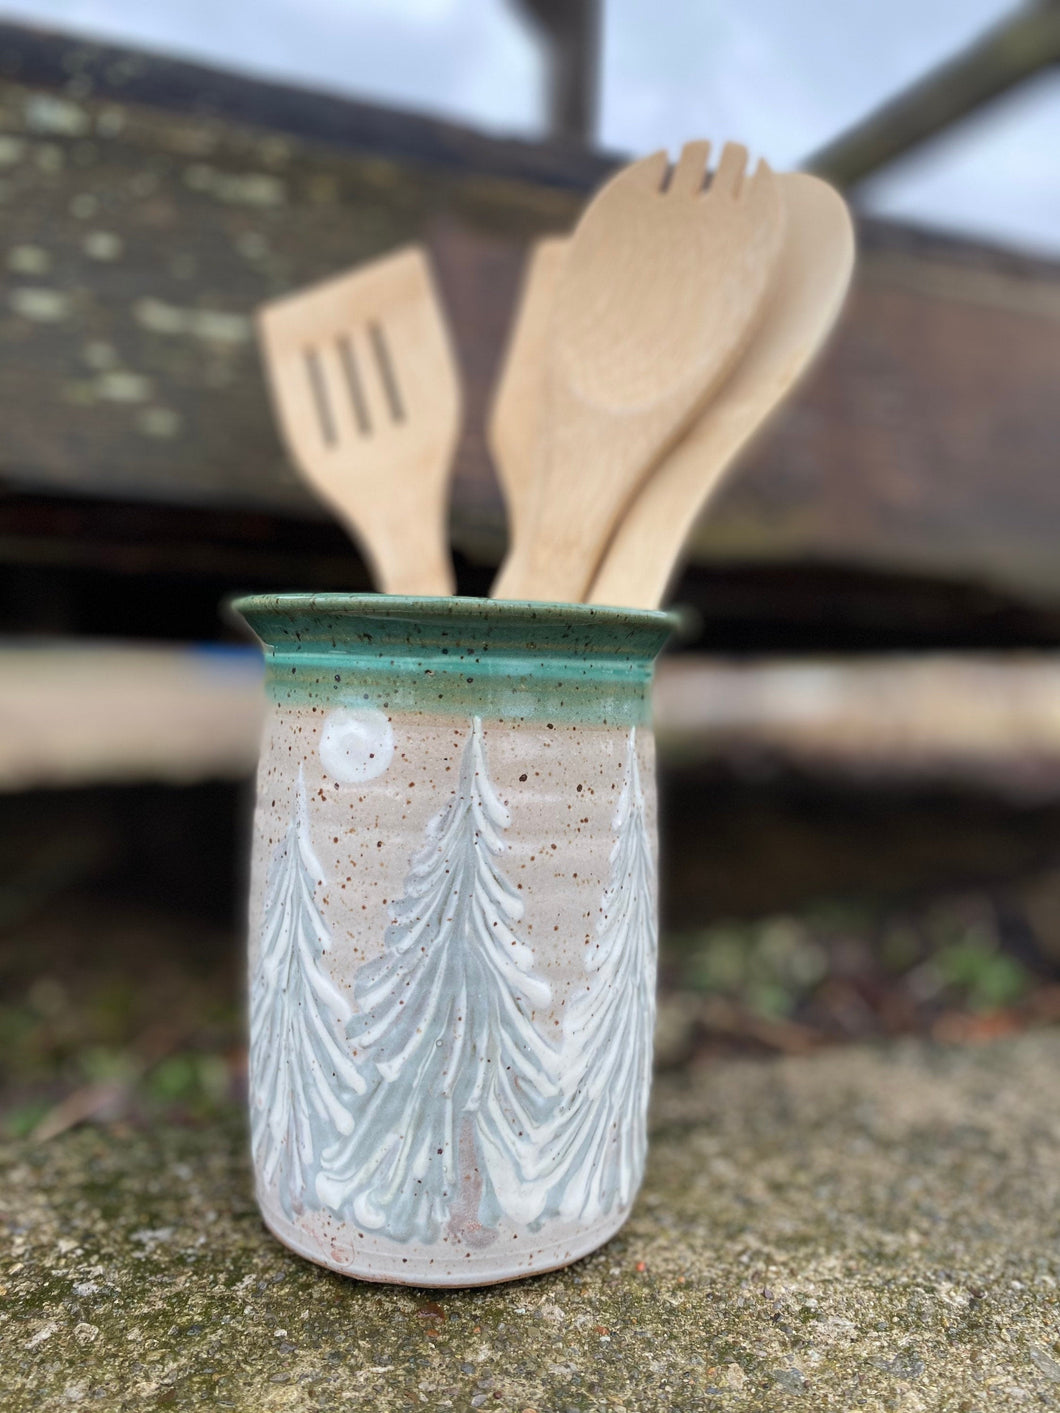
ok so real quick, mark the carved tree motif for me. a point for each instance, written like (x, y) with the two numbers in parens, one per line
(599, 1142)
(303, 1078)
(462, 1080)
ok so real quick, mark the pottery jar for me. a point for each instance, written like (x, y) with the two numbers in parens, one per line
(452, 931)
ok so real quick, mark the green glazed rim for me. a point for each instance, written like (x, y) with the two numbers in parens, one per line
(507, 659)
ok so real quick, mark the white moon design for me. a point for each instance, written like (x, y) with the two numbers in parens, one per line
(356, 745)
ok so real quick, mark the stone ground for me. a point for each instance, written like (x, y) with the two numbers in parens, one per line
(866, 1228)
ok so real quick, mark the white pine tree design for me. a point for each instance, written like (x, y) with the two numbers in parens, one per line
(303, 1079)
(599, 1142)
(446, 1141)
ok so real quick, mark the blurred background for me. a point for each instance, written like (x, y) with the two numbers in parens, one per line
(860, 736)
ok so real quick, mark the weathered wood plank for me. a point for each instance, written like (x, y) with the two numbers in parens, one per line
(84, 68)
(977, 720)
(138, 241)
(72, 715)
(927, 439)
(147, 206)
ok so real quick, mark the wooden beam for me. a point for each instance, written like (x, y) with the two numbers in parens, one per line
(1021, 46)
(74, 714)
(570, 31)
(982, 721)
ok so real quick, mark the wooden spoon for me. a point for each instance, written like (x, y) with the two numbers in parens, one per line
(814, 273)
(514, 428)
(660, 292)
(365, 389)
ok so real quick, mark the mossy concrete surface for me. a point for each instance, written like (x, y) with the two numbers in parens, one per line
(865, 1228)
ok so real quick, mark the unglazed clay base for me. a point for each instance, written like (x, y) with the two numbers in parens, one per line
(367, 1258)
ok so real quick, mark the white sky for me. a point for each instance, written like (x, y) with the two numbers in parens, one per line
(783, 76)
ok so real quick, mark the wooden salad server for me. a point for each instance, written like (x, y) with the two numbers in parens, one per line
(513, 428)
(662, 287)
(365, 389)
(812, 281)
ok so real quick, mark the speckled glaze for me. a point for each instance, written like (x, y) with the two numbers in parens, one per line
(452, 931)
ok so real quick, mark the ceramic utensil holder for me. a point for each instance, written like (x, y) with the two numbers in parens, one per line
(452, 931)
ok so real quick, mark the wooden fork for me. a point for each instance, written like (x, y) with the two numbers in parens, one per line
(663, 284)
(365, 390)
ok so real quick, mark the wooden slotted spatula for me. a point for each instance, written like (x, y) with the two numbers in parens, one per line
(812, 280)
(659, 294)
(366, 393)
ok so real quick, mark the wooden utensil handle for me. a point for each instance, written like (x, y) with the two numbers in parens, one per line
(589, 475)
(410, 556)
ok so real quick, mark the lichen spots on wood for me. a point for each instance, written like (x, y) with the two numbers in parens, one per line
(203, 218)
(236, 188)
(40, 304)
(210, 325)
